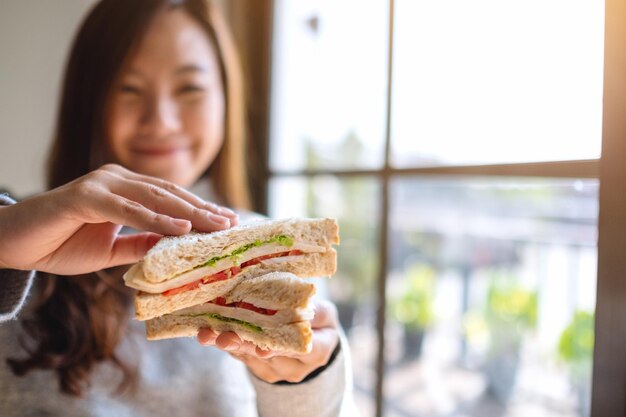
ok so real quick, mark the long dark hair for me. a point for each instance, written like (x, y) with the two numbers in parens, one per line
(79, 321)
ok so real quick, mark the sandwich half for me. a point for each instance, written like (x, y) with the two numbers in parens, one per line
(272, 311)
(183, 271)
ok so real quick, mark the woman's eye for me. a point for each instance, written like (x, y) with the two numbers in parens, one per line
(188, 89)
(130, 89)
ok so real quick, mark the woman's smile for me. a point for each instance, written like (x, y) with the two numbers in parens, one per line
(160, 150)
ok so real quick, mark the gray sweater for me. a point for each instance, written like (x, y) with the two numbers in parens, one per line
(177, 377)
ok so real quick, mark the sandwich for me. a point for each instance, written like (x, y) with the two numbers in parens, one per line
(245, 279)
(183, 271)
(272, 311)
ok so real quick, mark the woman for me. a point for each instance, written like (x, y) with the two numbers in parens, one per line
(153, 86)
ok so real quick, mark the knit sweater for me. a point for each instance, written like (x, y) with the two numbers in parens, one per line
(176, 377)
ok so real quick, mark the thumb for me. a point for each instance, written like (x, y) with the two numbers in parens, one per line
(325, 315)
(128, 249)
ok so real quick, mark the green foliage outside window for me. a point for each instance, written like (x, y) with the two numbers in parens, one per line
(576, 344)
(510, 313)
(512, 305)
(414, 306)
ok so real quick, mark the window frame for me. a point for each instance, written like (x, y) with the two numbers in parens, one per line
(609, 367)
(252, 22)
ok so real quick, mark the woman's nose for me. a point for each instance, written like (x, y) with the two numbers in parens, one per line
(161, 118)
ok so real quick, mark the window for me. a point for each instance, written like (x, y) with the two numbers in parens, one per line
(458, 145)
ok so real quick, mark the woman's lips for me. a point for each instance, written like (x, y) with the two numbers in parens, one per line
(159, 151)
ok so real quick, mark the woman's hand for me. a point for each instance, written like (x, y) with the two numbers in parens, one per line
(74, 229)
(271, 366)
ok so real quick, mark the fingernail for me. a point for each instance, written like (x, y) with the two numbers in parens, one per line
(232, 346)
(180, 222)
(226, 211)
(218, 219)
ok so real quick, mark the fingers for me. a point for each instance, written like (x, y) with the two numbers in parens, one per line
(276, 366)
(325, 315)
(232, 343)
(207, 336)
(231, 215)
(247, 353)
(114, 194)
(121, 210)
(324, 343)
(159, 200)
(325, 335)
(129, 249)
(188, 197)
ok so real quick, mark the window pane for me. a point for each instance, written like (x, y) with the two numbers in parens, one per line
(329, 77)
(355, 204)
(491, 297)
(488, 81)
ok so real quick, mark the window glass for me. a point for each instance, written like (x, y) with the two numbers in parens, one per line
(489, 81)
(491, 297)
(355, 204)
(329, 78)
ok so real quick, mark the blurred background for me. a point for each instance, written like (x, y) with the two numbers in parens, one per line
(458, 145)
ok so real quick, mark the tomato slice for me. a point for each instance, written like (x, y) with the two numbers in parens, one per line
(221, 301)
(186, 287)
(220, 276)
(228, 273)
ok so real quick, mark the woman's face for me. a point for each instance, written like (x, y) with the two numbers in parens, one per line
(166, 113)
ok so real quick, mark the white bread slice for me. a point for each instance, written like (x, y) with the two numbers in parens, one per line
(148, 306)
(290, 338)
(178, 254)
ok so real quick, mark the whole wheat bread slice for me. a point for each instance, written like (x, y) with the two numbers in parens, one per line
(178, 254)
(291, 338)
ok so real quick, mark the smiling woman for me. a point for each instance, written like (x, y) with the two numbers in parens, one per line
(151, 104)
